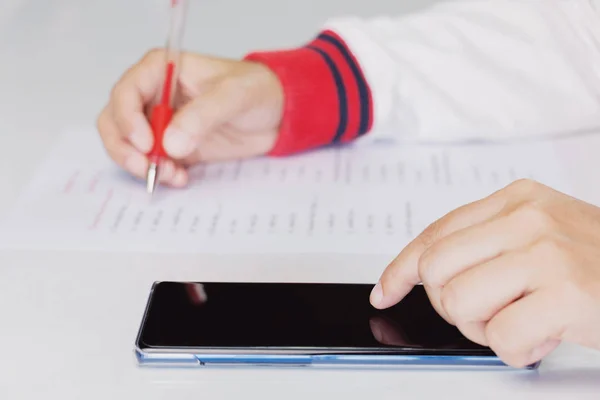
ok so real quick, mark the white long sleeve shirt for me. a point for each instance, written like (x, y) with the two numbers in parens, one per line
(462, 70)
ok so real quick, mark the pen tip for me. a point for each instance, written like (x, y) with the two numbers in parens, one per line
(151, 178)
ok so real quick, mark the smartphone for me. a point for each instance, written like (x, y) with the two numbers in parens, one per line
(297, 324)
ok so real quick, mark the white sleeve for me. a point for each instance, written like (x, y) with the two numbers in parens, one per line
(482, 70)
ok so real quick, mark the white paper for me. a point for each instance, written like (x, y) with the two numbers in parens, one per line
(357, 199)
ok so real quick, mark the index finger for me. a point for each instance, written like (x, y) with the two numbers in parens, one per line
(138, 87)
(402, 274)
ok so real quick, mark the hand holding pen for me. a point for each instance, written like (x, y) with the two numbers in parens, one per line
(213, 109)
(163, 111)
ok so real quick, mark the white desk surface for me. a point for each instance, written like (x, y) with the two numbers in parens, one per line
(68, 320)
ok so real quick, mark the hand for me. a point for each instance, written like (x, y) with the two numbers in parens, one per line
(518, 271)
(224, 110)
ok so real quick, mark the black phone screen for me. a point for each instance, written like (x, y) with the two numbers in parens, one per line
(294, 315)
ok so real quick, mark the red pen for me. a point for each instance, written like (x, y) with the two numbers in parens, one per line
(163, 111)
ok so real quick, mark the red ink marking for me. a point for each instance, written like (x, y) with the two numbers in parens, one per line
(94, 183)
(102, 210)
(70, 183)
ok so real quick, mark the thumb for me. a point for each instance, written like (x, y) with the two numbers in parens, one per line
(206, 112)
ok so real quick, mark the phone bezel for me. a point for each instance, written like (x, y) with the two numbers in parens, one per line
(315, 356)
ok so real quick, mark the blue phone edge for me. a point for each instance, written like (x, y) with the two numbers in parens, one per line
(305, 360)
(192, 359)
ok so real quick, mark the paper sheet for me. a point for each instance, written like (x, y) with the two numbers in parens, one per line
(357, 199)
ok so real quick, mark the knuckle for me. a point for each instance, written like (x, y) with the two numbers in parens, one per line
(552, 253)
(524, 185)
(533, 215)
(423, 268)
(430, 234)
(153, 55)
(426, 269)
(426, 264)
(450, 299)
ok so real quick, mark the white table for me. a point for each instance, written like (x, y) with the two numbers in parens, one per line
(68, 320)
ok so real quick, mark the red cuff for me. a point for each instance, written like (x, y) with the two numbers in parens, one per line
(327, 98)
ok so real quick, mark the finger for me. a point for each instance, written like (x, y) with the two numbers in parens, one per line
(402, 274)
(206, 113)
(473, 297)
(131, 159)
(172, 174)
(476, 244)
(138, 87)
(474, 331)
(118, 149)
(434, 293)
(481, 292)
(141, 84)
(527, 330)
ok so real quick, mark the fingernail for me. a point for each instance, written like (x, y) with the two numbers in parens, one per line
(377, 295)
(177, 143)
(166, 171)
(135, 163)
(141, 137)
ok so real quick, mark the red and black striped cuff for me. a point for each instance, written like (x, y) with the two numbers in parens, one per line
(327, 98)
